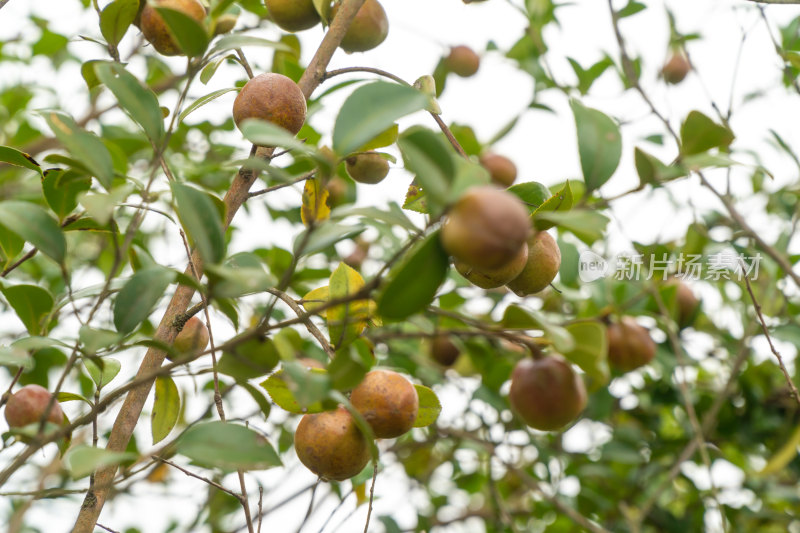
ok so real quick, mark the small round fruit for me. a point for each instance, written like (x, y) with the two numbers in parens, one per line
(293, 15)
(676, 68)
(368, 29)
(443, 350)
(544, 260)
(496, 277)
(367, 167)
(501, 169)
(225, 23)
(192, 339)
(28, 404)
(157, 32)
(486, 228)
(462, 61)
(331, 445)
(388, 402)
(546, 393)
(629, 345)
(274, 98)
(687, 302)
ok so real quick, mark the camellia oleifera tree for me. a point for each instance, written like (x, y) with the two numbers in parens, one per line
(156, 334)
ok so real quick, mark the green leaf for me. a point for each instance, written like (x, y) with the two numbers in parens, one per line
(31, 303)
(12, 156)
(136, 99)
(13, 356)
(115, 19)
(587, 225)
(532, 193)
(61, 189)
(231, 282)
(591, 350)
(264, 133)
(516, 317)
(599, 144)
(10, 244)
(370, 110)
(632, 8)
(93, 339)
(102, 370)
(325, 236)
(83, 460)
(560, 201)
(231, 42)
(36, 226)
(83, 146)
(200, 219)
(385, 138)
(258, 397)
(350, 365)
(429, 407)
(249, 359)
(139, 295)
(345, 322)
(652, 171)
(699, 133)
(412, 285)
(190, 34)
(429, 158)
(166, 408)
(287, 391)
(227, 446)
(203, 100)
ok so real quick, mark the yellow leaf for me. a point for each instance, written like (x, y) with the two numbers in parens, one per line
(315, 299)
(783, 456)
(315, 203)
(361, 494)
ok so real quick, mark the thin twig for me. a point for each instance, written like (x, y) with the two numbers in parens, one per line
(201, 478)
(310, 506)
(371, 494)
(304, 177)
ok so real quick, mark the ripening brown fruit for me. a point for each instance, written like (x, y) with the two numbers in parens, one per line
(676, 68)
(495, 277)
(462, 61)
(359, 254)
(337, 192)
(546, 393)
(629, 345)
(274, 98)
(28, 404)
(293, 15)
(369, 28)
(486, 228)
(157, 32)
(192, 339)
(501, 169)
(331, 445)
(544, 260)
(443, 350)
(687, 302)
(388, 402)
(367, 167)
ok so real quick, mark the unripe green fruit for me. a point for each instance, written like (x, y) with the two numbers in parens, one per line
(443, 350)
(496, 277)
(293, 15)
(629, 345)
(388, 402)
(274, 98)
(676, 68)
(544, 260)
(368, 29)
(192, 339)
(486, 228)
(462, 61)
(157, 32)
(546, 393)
(28, 404)
(367, 167)
(501, 169)
(331, 445)
(225, 24)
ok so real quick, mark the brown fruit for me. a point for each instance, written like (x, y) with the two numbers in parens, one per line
(502, 170)
(388, 402)
(544, 260)
(331, 445)
(443, 350)
(274, 98)
(156, 30)
(192, 339)
(496, 277)
(486, 228)
(28, 404)
(369, 28)
(367, 167)
(293, 15)
(462, 61)
(546, 393)
(629, 345)
(357, 257)
(687, 302)
(676, 68)
(337, 192)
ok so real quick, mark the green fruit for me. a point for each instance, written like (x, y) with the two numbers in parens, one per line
(273, 98)
(486, 228)
(501, 169)
(331, 445)
(462, 61)
(629, 345)
(676, 68)
(544, 260)
(293, 15)
(497, 277)
(28, 404)
(388, 402)
(225, 24)
(157, 32)
(443, 350)
(192, 339)
(367, 167)
(546, 393)
(369, 28)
